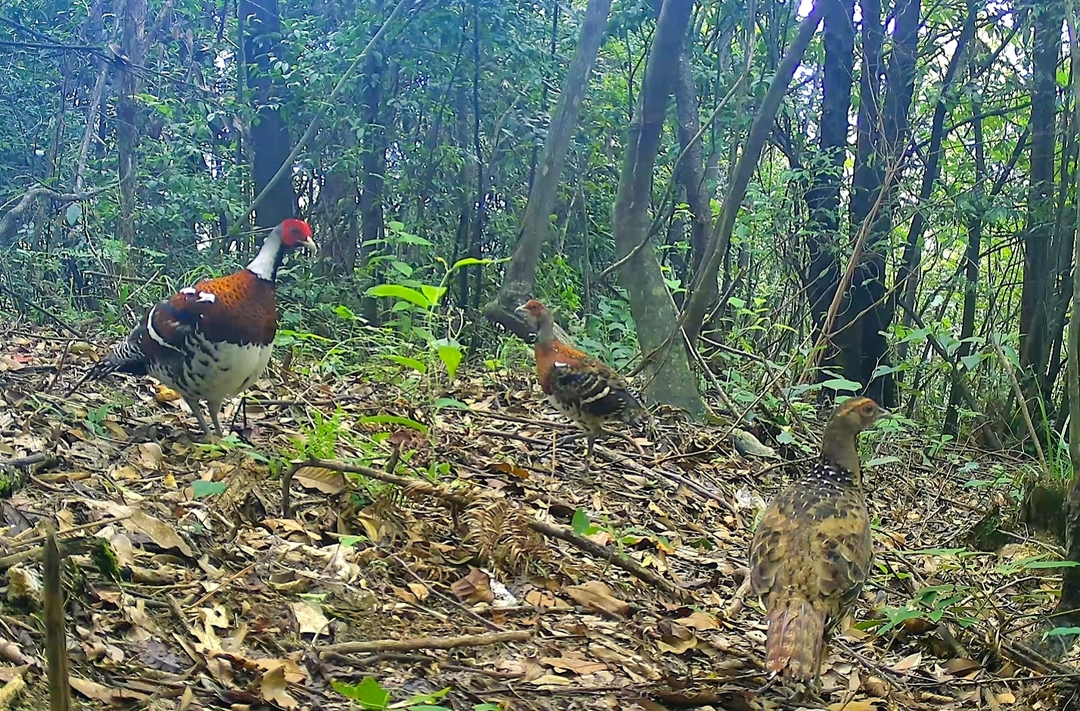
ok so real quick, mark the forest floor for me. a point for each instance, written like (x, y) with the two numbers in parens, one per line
(451, 588)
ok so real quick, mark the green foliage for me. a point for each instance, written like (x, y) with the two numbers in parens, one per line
(371, 696)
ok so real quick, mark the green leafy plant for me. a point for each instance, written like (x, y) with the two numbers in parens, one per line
(417, 304)
(371, 696)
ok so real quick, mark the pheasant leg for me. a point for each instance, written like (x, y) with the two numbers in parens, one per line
(196, 410)
(589, 450)
(214, 408)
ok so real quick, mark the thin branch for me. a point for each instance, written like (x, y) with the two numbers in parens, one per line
(404, 645)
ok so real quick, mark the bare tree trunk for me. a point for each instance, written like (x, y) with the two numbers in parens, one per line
(971, 265)
(133, 45)
(909, 272)
(270, 142)
(372, 224)
(823, 198)
(1039, 232)
(521, 272)
(869, 311)
(693, 316)
(670, 379)
(1067, 612)
(692, 170)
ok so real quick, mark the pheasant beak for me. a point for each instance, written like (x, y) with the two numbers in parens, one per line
(309, 246)
(884, 414)
(520, 309)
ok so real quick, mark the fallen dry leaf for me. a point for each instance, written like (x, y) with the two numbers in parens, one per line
(274, 689)
(473, 588)
(594, 595)
(309, 618)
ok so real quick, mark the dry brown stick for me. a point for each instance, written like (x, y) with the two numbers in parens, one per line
(404, 645)
(405, 566)
(511, 435)
(610, 555)
(522, 420)
(55, 630)
(224, 583)
(614, 456)
(36, 458)
(1018, 392)
(59, 367)
(287, 477)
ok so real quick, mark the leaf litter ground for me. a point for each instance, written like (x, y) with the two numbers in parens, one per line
(461, 569)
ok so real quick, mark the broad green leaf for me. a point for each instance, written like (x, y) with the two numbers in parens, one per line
(368, 693)
(343, 311)
(580, 523)
(841, 384)
(406, 238)
(882, 370)
(407, 362)
(468, 262)
(450, 354)
(1062, 631)
(394, 420)
(880, 461)
(201, 489)
(450, 402)
(970, 361)
(402, 267)
(404, 293)
(433, 293)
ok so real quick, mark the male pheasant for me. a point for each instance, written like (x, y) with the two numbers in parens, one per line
(211, 341)
(812, 550)
(585, 390)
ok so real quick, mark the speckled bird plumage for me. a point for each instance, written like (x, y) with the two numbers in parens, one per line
(213, 340)
(582, 388)
(812, 551)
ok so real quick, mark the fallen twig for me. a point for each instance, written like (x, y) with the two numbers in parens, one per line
(404, 645)
(36, 458)
(409, 483)
(431, 588)
(612, 556)
(617, 458)
(548, 424)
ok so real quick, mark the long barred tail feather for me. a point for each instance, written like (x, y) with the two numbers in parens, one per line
(124, 357)
(795, 643)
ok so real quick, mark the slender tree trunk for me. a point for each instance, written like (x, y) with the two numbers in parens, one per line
(1039, 232)
(692, 170)
(1067, 612)
(909, 272)
(693, 316)
(270, 142)
(372, 225)
(133, 45)
(520, 274)
(823, 198)
(971, 264)
(670, 379)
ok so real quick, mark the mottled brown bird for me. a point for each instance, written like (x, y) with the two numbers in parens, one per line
(587, 391)
(812, 550)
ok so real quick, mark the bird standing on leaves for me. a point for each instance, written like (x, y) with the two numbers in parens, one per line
(211, 341)
(812, 551)
(585, 390)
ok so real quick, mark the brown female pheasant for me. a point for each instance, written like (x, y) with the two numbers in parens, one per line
(585, 390)
(812, 551)
(211, 341)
